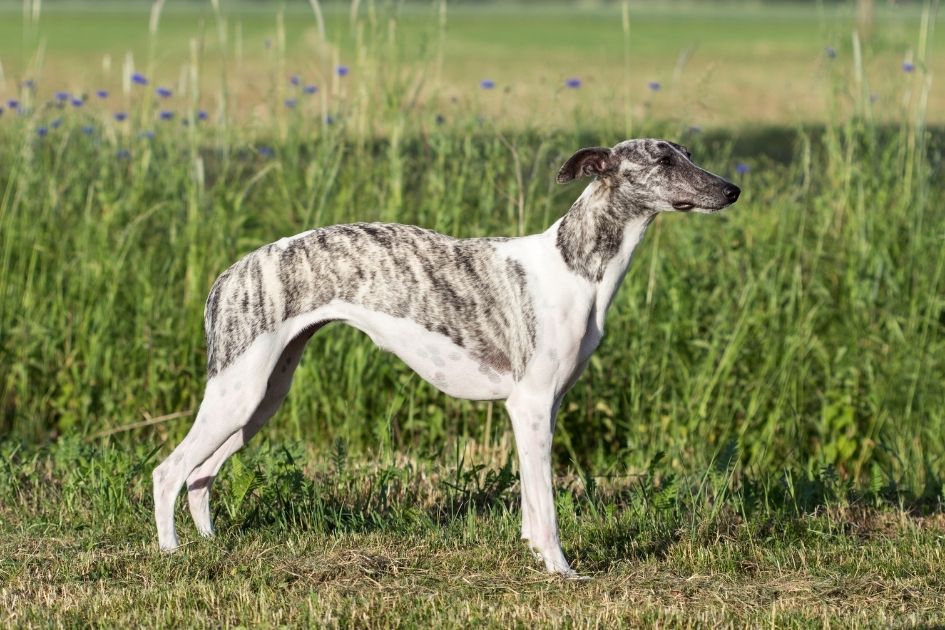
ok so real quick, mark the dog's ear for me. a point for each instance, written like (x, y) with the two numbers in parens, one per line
(682, 150)
(585, 163)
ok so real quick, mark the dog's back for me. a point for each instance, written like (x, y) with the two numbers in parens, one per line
(460, 288)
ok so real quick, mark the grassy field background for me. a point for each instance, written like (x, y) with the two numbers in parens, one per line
(731, 64)
(760, 439)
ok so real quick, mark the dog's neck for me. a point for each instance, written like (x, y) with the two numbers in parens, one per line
(597, 236)
(596, 240)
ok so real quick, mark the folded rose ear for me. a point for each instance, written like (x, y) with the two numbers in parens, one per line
(586, 163)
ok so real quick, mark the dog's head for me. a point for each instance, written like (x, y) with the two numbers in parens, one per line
(653, 175)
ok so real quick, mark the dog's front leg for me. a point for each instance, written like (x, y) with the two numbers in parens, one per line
(532, 422)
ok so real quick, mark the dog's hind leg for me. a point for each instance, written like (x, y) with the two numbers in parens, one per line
(201, 478)
(229, 404)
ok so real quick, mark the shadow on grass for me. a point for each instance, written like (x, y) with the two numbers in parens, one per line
(633, 518)
(641, 518)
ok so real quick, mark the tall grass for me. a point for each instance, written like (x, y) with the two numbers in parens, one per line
(806, 325)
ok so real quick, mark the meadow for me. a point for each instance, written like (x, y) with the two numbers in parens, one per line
(760, 438)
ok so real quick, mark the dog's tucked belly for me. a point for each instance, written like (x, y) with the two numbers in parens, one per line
(433, 356)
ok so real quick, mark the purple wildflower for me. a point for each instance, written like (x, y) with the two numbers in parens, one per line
(310, 89)
(147, 135)
(1, 111)
(290, 103)
(102, 94)
(78, 102)
(573, 83)
(121, 116)
(13, 103)
(487, 84)
(123, 154)
(654, 86)
(342, 71)
(166, 115)
(163, 92)
(202, 115)
(42, 132)
(88, 130)
(55, 124)
(139, 78)
(62, 96)
(29, 84)
(294, 79)
(265, 151)
(741, 168)
(908, 66)
(329, 120)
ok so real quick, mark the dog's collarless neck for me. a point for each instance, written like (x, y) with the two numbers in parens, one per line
(592, 234)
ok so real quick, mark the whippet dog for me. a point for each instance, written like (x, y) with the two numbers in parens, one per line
(512, 319)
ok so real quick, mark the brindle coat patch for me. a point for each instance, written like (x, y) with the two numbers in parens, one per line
(460, 288)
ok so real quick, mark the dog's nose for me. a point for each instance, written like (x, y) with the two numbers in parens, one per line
(731, 192)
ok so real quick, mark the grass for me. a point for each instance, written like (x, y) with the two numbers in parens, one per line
(403, 543)
(760, 439)
(710, 64)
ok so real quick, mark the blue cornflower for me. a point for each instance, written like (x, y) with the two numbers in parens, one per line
(654, 86)
(202, 115)
(29, 84)
(56, 123)
(831, 52)
(1, 111)
(342, 71)
(13, 103)
(487, 84)
(42, 132)
(78, 102)
(147, 135)
(163, 92)
(310, 89)
(908, 66)
(290, 103)
(88, 130)
(103, 94)
(329, 120)
(123, 154)
(121, 116)
(294, 79)
(62, 96)
(166, 115)
(573, 83)
(741, 168)
(265, 151)
(139, 78)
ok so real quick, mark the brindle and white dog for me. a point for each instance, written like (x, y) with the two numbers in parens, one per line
(512, 319)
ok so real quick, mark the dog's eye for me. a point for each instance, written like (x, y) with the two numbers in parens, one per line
(665, 161)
